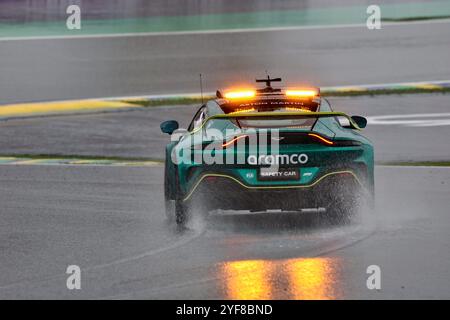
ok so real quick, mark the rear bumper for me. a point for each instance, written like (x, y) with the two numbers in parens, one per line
(219, 191)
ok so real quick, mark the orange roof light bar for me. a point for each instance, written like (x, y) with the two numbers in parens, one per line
(321, 138)
(240, 94)
(306, 93)
(226, 144)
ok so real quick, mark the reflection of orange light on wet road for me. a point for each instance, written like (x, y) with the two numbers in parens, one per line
(311, 278)
(247, 280)
(304, 278)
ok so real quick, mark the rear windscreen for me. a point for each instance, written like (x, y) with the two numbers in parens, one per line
(276, 122)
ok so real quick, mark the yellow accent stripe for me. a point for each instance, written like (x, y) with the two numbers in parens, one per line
(140, 164)
(22, 109)
(91, 161)
(350, 89)
(73, 161)
(427, 86)
(268, 187)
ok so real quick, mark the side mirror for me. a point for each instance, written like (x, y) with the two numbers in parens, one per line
(169, 126)
(360, 121)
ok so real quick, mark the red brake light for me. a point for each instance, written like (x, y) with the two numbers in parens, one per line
(321, 138)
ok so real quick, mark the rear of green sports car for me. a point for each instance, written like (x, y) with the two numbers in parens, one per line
(270, 151)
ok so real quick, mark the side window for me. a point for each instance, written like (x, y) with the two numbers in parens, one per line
(198, 119)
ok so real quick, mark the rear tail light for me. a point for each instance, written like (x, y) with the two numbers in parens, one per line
(322, 139)
(283, 138)
(230, 142)
(335, 143)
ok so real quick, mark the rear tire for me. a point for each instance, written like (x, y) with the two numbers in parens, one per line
(342, 210)
(181, 212)
(177, 212)
(344, 204)
(168, 201)
(175, 209)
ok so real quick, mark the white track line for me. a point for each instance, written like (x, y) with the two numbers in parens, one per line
(217, 31)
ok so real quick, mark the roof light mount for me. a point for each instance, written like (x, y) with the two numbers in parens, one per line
(268, 81)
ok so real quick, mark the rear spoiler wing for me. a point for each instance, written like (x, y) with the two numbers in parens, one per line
(353, 125)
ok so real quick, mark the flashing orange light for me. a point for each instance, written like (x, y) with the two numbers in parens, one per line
(226, 144)
(240, 94)
(321, 138)
(301, 93)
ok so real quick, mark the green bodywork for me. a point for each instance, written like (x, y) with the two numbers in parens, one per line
(321, 157)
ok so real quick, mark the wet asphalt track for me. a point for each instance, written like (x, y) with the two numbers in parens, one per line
(110, 221)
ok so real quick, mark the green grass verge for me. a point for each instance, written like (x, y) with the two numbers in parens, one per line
(143, 159)
(77, 157)
(350, 93)
(167, 101)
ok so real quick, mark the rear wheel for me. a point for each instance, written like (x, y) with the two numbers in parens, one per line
(181, 212)
(344, 203)
(168, 197)
(342, 209)
(176, 209)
